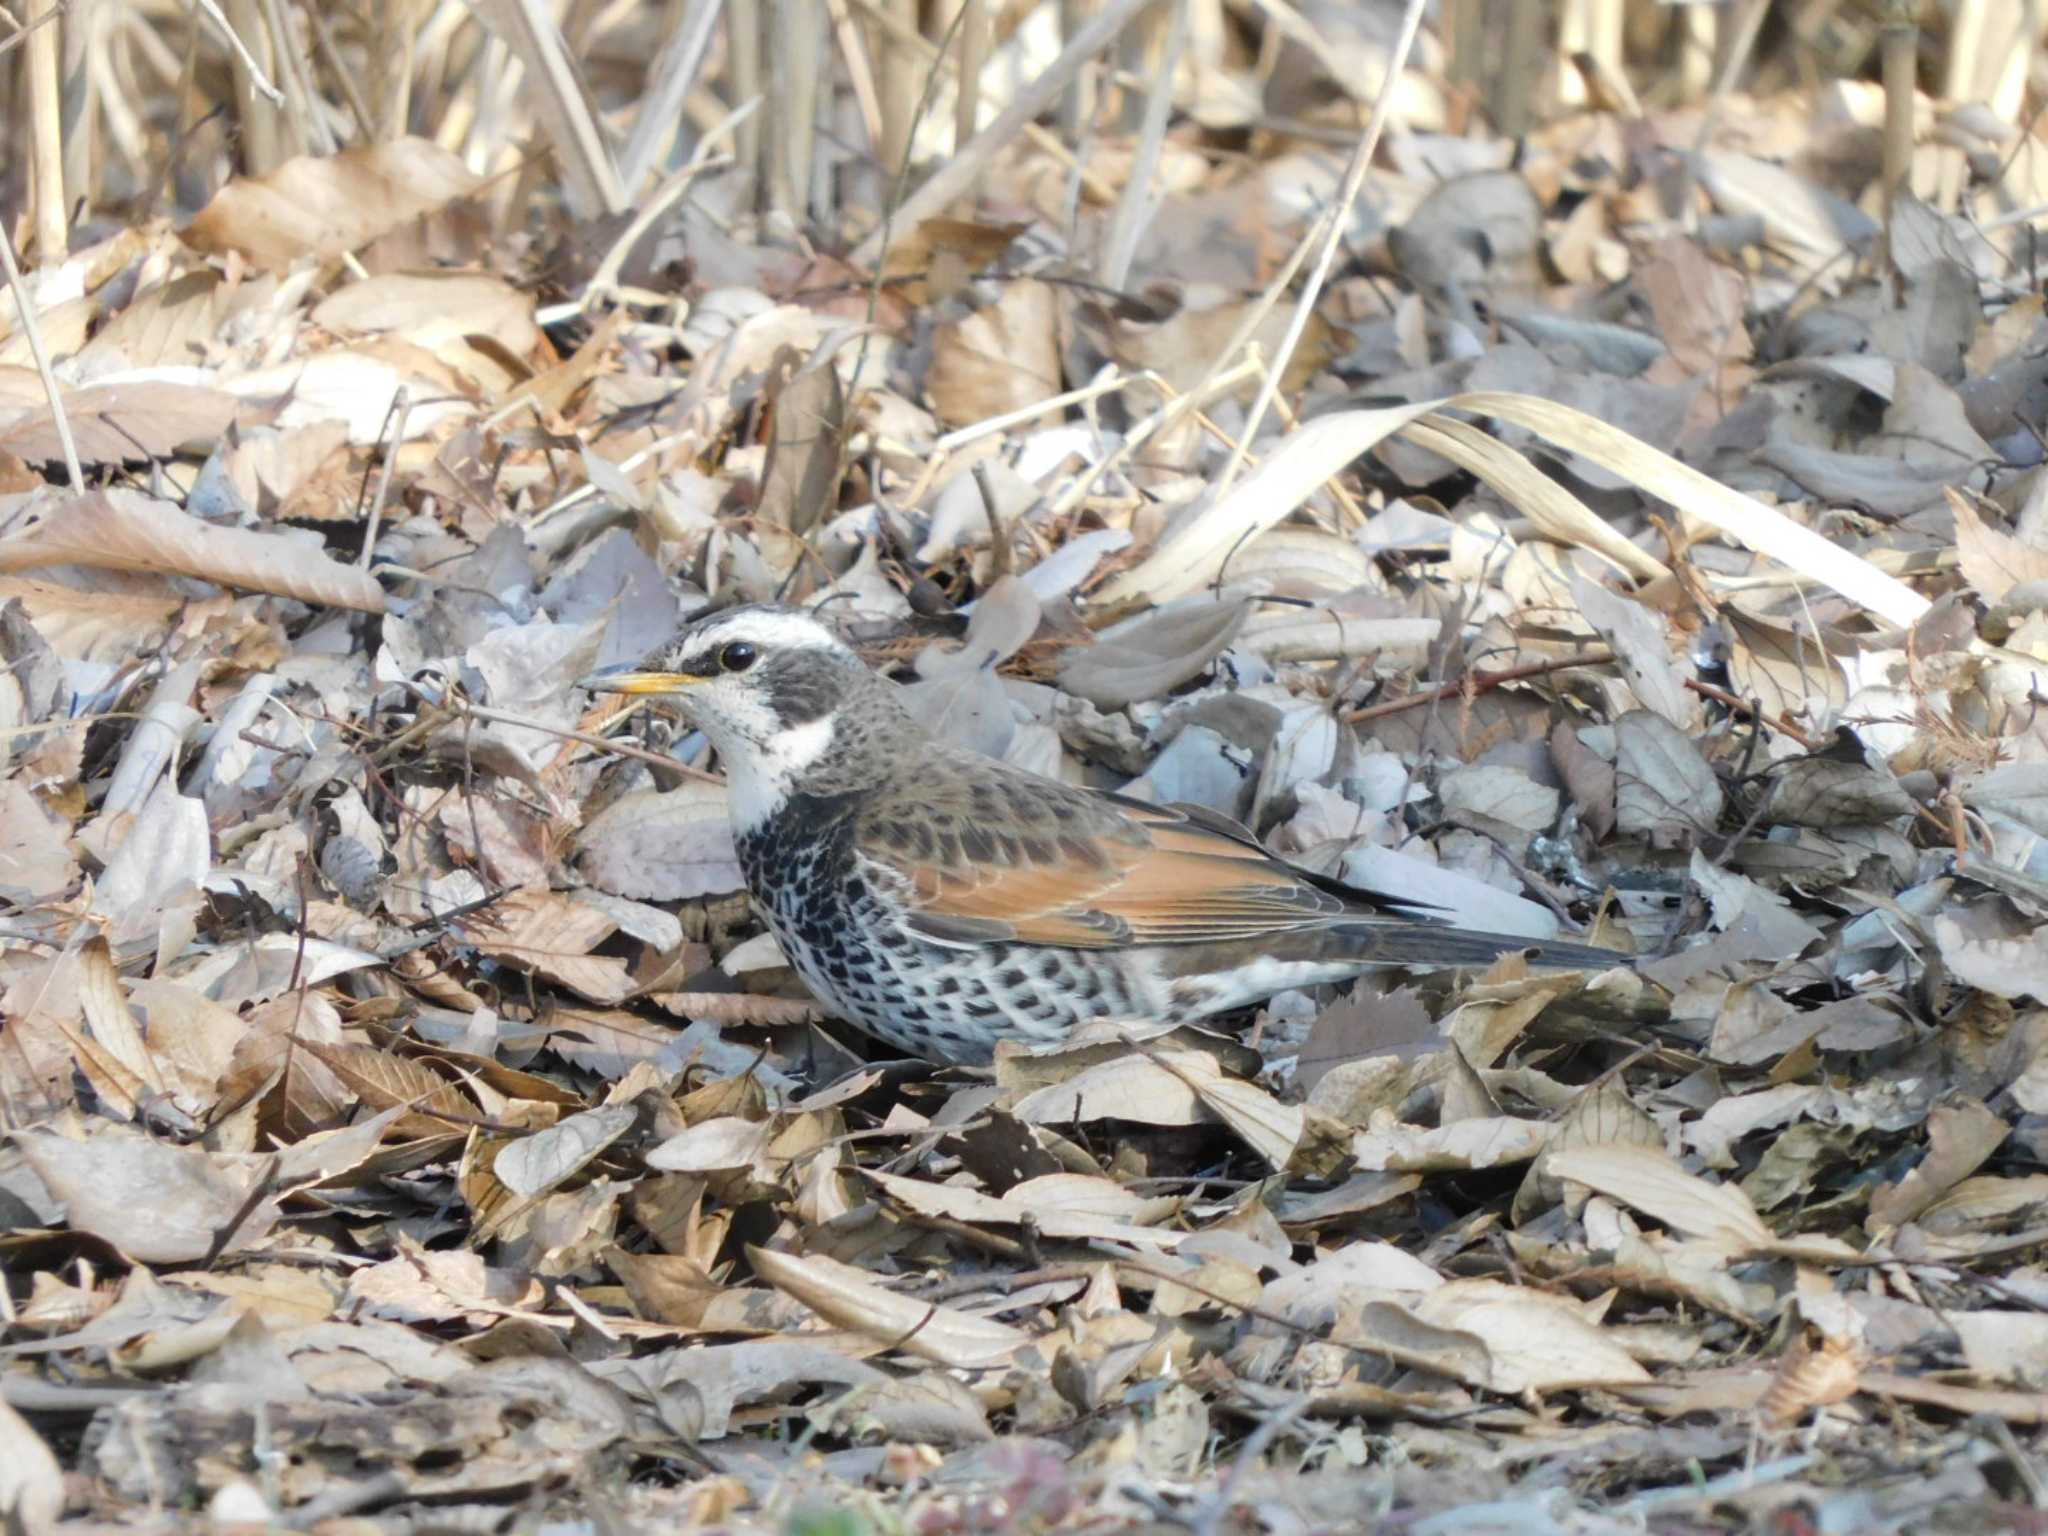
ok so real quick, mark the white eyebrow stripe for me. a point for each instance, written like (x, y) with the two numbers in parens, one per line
(766, 628)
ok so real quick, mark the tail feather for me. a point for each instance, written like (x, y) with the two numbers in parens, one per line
(1420, 944)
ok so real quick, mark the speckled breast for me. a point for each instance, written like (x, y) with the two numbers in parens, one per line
(849, 942)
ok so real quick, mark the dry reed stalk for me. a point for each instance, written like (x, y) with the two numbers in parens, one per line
(115, 93)
(974, 157)
(669, 80)
(590, 180)
(1699, 28)
(78, 97)
(1967, 73)
(1514, 95)
(967, 96)
(1901, 42)
(388, 39)
(744, 72)
(792, 44)
(340, 73)
(922, 47)
(46, 136)
(263, 131)
(902, 79)
(860, 74)
(304, 112)
(1134, 207)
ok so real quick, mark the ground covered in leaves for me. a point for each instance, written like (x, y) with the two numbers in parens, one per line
(406, 1122)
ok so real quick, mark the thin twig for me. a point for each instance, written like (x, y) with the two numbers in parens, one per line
(1478, 682)
(257, 78)
(602, 743)
(1166, 417)
(1777, 723)
(22, 33)
(1481, 682)
(1331, 235)
(604, 281)
(323, 43)
(34, 333)
(401, 407)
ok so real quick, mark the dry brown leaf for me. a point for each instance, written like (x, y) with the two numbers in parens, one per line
(445, 312)
(1697, 305)
(418, 1286)
(2003, 964)
(934, 260)
(1960, 1137)
(1468, 1144)
(105, 617)
(174, 324)
(541, 1161)
(544, 932)
(1022, 1206)
(1646, 1178)
(391, 1081)
(1535, 1341)
(117, 1059)
(157, 1203)
(35, 858)
(1152, 656)
(671, 845)
(122, 423)
(1994, 562)
(806, 442)
(1640, 641)
(847, 1298)
(2018, 790)
(723, 1142)
(1002, 357)
(1168, 1087)
(322, 207)
(1663, 788)
(124, 530)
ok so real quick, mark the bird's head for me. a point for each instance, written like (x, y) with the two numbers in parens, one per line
(779, 695)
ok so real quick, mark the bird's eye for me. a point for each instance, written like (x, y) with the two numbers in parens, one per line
(737, 657)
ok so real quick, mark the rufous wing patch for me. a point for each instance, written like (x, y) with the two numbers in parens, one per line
(1175, 882)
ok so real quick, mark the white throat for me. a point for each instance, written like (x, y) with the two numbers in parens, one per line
(758, 781)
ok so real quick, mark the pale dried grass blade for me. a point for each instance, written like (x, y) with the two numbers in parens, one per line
(1742, 518)
(1547, 504)
(1287, 477)
(1292, 472)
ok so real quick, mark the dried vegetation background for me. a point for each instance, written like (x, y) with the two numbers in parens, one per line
(1581, 508)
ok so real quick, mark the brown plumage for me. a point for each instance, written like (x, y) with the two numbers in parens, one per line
(943, 901)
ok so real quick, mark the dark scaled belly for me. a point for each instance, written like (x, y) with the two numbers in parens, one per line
(944, 1003)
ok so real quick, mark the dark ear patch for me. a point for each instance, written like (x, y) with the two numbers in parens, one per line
(797, 692)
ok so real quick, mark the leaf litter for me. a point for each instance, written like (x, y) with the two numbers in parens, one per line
(402, 1107)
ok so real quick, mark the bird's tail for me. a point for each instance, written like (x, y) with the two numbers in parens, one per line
(1431, 944)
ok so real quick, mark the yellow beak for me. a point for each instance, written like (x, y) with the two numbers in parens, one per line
(639, 682)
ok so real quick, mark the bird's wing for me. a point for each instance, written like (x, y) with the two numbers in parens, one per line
(1094, 871)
